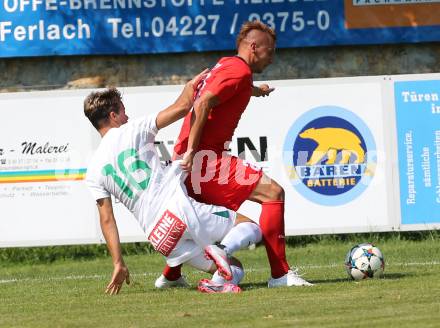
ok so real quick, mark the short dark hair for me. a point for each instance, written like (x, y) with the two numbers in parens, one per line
(254, 25)
(99, 104)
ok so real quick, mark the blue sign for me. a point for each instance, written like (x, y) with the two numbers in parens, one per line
(331, 155)
(81, 27)
(418, 137)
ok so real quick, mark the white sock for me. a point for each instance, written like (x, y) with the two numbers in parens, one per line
(237, 276)
(240, 236)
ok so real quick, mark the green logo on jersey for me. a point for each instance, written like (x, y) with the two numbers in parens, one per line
(137, 164)
(224, 214)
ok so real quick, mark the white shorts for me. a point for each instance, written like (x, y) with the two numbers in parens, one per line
(216, 221)
(186, 226)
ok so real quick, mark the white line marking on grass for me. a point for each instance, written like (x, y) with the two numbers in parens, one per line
(335, 265)
(79, 277)
(387, 263)
(156, 274)
(416, 263)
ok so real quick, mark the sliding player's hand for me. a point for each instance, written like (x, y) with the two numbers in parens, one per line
(262, 90)
(187, 162)
(188, 93)
(120, 274)
(194, 82)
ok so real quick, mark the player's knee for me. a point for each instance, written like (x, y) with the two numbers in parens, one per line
(267, 190)
(276, 192)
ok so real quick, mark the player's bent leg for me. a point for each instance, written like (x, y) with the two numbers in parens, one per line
(216, 222)
(207, 264)
(231, 195)
(271, 197)
(217, 258)
(208, 286)
(267, 190)
(244, 233)
(237, 273)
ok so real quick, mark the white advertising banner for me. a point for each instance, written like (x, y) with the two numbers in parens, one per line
(330, 143)
(43, 149)
(326, 148)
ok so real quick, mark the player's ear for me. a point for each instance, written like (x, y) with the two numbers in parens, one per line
(112, 115)
(253, 46)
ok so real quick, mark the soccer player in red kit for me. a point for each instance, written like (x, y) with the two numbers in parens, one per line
(219, 178)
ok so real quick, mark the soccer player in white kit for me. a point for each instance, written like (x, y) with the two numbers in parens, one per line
(127, 166)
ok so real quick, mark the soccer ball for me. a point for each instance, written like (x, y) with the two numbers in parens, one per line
(364, 261)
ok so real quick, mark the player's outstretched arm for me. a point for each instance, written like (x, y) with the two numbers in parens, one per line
(202, 107)
(111, 235)
(182, 105)
(262, 90)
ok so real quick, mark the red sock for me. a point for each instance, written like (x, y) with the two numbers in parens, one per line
(172, 273)
(272, 227)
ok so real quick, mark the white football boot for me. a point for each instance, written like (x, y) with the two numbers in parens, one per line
(163, 282)
(291, 278)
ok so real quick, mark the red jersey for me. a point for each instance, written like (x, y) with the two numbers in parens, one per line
(231, 81)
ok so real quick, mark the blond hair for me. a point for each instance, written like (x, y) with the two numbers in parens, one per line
(254, 25)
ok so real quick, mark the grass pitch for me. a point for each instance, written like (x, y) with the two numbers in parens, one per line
(70, 293)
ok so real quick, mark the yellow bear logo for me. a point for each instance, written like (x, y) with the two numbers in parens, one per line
(332, 140)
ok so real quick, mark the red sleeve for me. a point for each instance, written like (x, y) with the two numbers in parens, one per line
(226, 82)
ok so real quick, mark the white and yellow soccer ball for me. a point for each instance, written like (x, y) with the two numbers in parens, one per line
(364, 261)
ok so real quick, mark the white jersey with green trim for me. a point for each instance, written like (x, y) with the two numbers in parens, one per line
(127, 166)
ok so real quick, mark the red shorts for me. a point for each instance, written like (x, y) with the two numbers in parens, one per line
(222, 180)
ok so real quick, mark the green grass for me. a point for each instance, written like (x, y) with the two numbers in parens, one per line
(69, 293)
